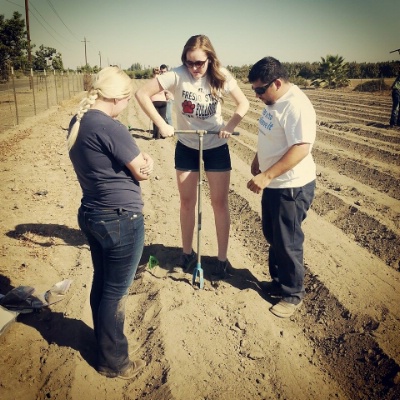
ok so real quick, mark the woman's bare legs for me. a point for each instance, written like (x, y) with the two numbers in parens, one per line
(219, 189)
(187, 186)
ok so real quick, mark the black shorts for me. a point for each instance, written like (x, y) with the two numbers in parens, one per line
(217, 159)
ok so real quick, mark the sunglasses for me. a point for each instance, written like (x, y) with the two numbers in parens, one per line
(262, 89)
(197, 64)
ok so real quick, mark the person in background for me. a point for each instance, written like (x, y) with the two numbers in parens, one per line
(169, 96)
(284, 172)
(198, 86)
(395, 115)
(160, 104)
(109, 166)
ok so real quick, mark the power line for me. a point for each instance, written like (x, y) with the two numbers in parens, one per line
(33, 14)
(46, 28)
(44, 20)
(50, 34)
(55, 12)
(15, 4)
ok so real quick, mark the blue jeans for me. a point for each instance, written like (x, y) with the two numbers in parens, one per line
(283, 211)
(116, 240)
(395, 115)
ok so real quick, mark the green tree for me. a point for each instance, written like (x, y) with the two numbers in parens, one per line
(47, 57)
(239, 73)
(135, 67)
(13, 44)
(369, 70)
(354, 70)
(386, 69)
(292, 69)
(308, 70)
(332, 72)
(57, 62)
(88, 69)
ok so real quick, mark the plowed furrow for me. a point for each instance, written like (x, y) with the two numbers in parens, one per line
(357, 170)
(376, 150)
(343, 333)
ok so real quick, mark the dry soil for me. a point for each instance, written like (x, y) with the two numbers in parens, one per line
(220, 342)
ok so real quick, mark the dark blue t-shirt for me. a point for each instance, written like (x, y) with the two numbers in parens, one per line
(102, 148)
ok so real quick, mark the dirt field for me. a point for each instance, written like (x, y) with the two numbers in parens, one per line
(220, 342)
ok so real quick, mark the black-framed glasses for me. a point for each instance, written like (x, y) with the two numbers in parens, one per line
(262, 89)
(197, 64)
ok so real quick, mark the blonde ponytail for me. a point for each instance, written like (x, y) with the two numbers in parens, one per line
(84, 106)
(109, 83)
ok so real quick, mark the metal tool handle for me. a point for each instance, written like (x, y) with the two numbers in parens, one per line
(202, 132)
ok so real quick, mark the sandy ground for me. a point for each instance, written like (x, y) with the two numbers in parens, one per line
(220, 342)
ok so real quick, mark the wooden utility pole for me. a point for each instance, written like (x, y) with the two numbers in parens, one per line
(28, 32)
(100, 59)
(28, 36)
(84, 41)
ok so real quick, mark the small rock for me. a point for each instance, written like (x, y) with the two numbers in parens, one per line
(255, 355)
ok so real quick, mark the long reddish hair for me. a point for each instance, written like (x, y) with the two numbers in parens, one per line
(216, 77)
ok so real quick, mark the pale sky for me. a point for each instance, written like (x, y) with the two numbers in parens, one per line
(153, 32)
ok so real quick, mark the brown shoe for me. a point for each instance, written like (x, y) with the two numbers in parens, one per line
(283, 309)
(133, 370)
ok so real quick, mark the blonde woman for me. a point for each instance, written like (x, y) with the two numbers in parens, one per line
(198, 86)
(109, 167)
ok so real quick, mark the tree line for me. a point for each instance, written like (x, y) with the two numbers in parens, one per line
(332, 71)
(14, 49)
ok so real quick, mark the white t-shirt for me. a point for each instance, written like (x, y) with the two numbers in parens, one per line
(291, 120)
(195, 108)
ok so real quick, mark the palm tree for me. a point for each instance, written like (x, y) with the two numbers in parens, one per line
(332, 72)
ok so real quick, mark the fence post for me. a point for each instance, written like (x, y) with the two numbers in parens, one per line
(15, 95)
(45, 84)
(62, 83)
(55, 84)
(69, 90)
(33, 92)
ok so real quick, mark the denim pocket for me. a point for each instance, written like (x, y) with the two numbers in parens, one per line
(108, 233)
(290, 194)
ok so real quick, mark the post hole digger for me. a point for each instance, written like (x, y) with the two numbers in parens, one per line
(198, 270)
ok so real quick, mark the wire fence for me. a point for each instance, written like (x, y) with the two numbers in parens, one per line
(28, 95)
